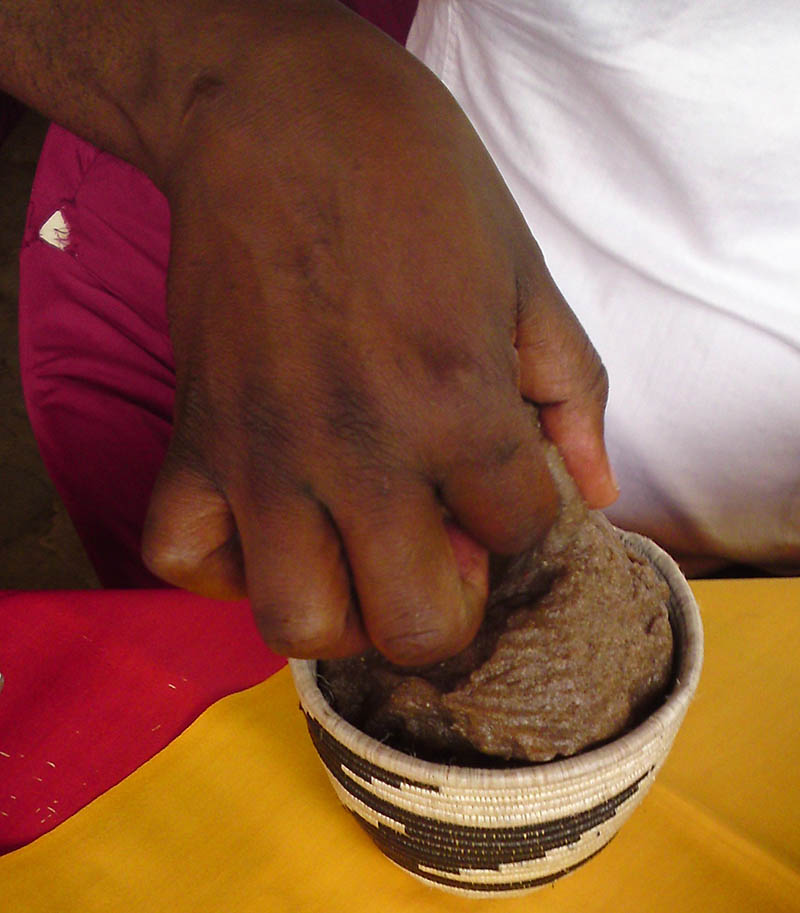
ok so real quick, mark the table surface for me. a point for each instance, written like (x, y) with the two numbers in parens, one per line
(231, 810)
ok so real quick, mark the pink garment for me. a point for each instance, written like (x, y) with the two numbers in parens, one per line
(391, 16)
(95, 355)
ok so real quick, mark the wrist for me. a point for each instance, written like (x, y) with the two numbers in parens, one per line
(128, 76)
(305, 89)
(264, 69)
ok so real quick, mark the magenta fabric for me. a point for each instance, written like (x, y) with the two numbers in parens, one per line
(97, 683)
(392, 16)
(95, 356)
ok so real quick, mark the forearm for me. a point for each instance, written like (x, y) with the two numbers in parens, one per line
(125, 74)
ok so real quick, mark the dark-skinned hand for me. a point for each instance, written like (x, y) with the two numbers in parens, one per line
(360, 318)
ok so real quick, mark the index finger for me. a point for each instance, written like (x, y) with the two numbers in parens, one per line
(421, 589)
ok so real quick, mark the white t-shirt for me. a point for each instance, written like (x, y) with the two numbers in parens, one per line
(654, 149)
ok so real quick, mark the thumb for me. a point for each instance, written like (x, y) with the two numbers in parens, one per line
(561, 373)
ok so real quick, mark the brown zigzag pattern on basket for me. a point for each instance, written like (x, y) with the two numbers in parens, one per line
(451, 847)
(325, 742)
(412, 865)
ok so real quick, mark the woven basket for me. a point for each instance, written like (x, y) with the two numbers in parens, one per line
(478, 831)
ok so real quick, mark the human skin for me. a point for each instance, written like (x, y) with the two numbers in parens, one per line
(359, 314)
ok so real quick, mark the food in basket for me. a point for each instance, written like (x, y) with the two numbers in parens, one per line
(575, 649)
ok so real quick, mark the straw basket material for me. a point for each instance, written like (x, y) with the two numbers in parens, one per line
(479, 831)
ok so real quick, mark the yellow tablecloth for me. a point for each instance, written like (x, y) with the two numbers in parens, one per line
(236, 814)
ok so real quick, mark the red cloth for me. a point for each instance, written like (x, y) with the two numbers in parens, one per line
(96, 683)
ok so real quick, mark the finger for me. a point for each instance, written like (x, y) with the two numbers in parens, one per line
(190, 537)
(576, 434)
(298, 580)
(562, 373)
(415, 605)
(504, 495)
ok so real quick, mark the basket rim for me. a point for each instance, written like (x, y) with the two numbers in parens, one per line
(688, 636)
